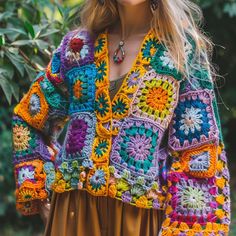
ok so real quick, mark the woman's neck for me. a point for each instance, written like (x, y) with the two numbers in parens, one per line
(134, 19)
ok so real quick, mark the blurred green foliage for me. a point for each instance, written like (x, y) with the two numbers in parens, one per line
(29, 32)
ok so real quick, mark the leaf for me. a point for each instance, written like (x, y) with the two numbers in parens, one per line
(12, 30)
(5, 85)
(7, 71)
(41, 44)
(2, 40)
(15, 90)
(22, 42)
(31, 72)
(49, 32)
(30, 29)
(17, 61)
(5, 15)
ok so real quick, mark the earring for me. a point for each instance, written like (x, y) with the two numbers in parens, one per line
(154, 4)
(101, 2)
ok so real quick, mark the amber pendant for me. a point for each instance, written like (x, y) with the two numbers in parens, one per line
(119, 54)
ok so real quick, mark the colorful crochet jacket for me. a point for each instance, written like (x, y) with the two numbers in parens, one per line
(156, 144)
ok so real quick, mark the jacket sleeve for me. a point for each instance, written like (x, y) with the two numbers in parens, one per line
(198, 181)
(36, 124)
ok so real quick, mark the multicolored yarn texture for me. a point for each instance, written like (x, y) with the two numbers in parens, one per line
(117, 147)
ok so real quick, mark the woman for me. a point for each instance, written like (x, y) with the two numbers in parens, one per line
(144, 136)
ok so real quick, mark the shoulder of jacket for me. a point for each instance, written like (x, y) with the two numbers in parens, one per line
(76, 49)
(163, 62)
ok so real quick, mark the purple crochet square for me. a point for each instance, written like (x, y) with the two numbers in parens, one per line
(136, 146)
(77, 49)
(79, 137)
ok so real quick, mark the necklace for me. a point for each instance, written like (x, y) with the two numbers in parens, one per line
(119, 54)
(120, 50)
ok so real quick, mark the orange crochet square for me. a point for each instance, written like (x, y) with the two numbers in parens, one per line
(30, 181)
(33, 107)
(28, 208)
(200, 162)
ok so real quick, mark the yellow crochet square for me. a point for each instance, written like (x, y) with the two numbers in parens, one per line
(101, 150)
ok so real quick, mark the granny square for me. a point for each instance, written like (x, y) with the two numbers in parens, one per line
(135, 147)
(156, 98)
(200, 162)
(82, 88)
(28, 144)
(79, 137)
(193, 200)
(193, 124)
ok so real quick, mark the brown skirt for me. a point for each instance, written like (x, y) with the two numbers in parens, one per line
(77, 213)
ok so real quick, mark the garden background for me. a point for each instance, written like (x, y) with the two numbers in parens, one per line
(31, 29)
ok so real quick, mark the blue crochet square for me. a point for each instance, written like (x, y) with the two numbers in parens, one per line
(194, 121)
(81, 83)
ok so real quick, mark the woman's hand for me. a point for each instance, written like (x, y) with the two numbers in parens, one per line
(44, 210)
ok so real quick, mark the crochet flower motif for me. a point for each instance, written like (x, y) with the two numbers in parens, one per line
(67, 177)
(192, 199)
(27, 194)
(191, 120)
(84, 97)
(27, 208)
(21, 138)
(102, 71)
(100, 149)
(167, 60)
(135, 147)
(133, 78)
(99, 44)
(34, 104)
(77, 49)
(80, 134)
(25, 173)
(102, 105)
(156, 98)
(98, 179)
(200, 162)
(120, 106)
(139, 146)
(149, 48)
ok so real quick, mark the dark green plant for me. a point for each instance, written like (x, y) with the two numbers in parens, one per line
(29, 32)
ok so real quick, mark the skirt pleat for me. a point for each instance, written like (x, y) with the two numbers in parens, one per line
(77, 213)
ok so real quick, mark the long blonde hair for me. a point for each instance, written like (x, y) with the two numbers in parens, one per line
(172, 21)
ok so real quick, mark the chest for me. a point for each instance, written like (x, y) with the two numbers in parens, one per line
(131, 49)
(146, 92)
